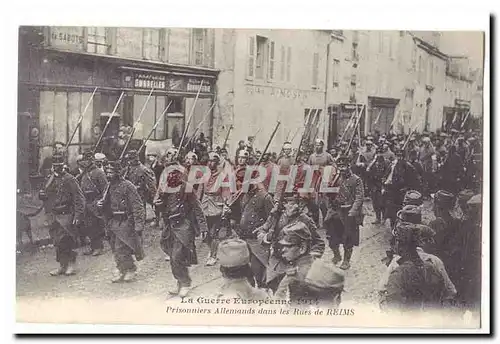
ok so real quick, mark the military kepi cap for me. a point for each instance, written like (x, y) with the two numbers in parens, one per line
(325, 275)
(233, 252)
(295, 235)
(413, 197)
(57, 159)
(444, 198)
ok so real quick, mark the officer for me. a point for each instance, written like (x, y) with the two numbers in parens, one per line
(183, 220)
(344, 213)
(234, 258)
(64, 206)
(125, 217)
(93, 183)
(375, 173)
(142, 177)
(444, 224)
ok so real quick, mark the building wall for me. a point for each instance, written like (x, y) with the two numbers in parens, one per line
(258, 103)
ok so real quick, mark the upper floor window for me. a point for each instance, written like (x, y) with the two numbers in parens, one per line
(260, 58)
(96, 40)
(152, 44)
(336, 72)
(199, 46)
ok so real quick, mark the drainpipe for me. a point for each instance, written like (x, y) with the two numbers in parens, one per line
(327, 73)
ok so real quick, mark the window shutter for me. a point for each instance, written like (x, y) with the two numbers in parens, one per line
(282, 64)
(271, 71)
(251, 57)
(162, 44)
(315, 69)
(289, 64)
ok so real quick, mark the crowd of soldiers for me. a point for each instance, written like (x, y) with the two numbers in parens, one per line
(268, 244)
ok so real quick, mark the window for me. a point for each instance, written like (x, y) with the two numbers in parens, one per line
(315, 70)
(175, 119)
(336, 72)
(282, 63)
(354, 52)
(271, 71)
(289, 64)
(381, 42)
(355, 36)
(391, 47)
(430, 73)
(413, 56)
(151, 44)
(96, 40)
(251, 57)
(353, 79)
(420, 67)
(199, 41)
(260, 59)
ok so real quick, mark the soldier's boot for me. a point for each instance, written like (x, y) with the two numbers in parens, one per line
(129, 276)
(70, 270)
(59, 271)
(184, 291)
(88, 251)
(118, 277)
(211, 261)
(175, 290)
(337, 258)
(347, 258)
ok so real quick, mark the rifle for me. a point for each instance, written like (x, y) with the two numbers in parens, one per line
(189, 121)
(274, 231)
(354, 131)
(199, 126)
(107, 123)
(349, 124)
(80, 119)
(227, 136)
(465, 120)
(134, 127)
(238, 194)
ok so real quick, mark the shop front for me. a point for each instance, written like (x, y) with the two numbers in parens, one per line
(56, 86)
(454, 116)
(339, 115)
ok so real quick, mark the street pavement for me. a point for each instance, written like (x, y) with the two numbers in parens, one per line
(154, 278)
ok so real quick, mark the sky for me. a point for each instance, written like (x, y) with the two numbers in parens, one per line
(468, 43)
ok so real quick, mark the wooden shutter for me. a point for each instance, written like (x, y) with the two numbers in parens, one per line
(282, 63)
(251, 57)
(271, 70)
(289, 64)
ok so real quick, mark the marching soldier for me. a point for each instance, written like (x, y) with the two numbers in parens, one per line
(234, 258)
(64, 206)
(270, 233)
(376, 172)
(270, 167)
(212, 203)
(425, 155)
(255, 206)
(125, 214)
(93, 183)
(295, 251)
(319, 158)
(156, 166)
(141, 177)
(183, 220)
(344, 213)
(401, 176)
(415, 284)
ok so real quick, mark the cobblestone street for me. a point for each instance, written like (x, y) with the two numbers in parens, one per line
(154, 277)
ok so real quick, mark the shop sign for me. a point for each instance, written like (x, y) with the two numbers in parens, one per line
(148, 81)
(351, 107)
(462, 103)
(66, 37)
(189, 84)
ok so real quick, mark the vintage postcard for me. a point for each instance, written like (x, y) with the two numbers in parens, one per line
(251, 177)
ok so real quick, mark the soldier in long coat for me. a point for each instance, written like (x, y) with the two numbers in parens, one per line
(345, 213)
(183, 220)
(125, 218)
(376, 172)
(64, 206)
(212, 202)
(141, 176)
(425, 155)
(255, 206)
(93, 183)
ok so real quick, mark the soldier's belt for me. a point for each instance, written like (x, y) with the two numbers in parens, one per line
(61, 210)
(175, 217)
(119, 215)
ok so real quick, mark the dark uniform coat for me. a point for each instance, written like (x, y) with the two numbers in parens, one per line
(65, 202)
(125, 215)
(144, 179)
(295, 275)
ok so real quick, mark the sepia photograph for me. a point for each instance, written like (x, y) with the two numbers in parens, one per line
(198, 176)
